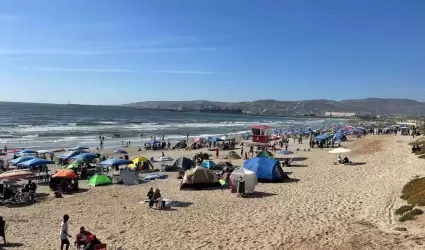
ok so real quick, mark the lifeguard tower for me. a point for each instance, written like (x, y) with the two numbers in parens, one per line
(261, 134)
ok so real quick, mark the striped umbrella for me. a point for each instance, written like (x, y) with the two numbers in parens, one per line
(15, 174)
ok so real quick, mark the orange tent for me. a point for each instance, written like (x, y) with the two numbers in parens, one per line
(67, 173)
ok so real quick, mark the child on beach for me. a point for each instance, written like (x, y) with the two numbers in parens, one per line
(2, 229)
(64, 233)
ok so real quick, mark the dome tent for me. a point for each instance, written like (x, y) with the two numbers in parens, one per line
(184, 163)
(199, 178)
(99, 180)
(265, 154)
(266, 169)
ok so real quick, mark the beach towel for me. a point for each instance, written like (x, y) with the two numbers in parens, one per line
(155, 176)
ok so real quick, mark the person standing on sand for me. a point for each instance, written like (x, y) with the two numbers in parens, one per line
(2, 229)
(64, 233)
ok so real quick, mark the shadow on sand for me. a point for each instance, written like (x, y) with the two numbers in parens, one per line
(259, 195)
(290, 180)
(299, 158)
(181, 204)
(10, 245)
(357, 164)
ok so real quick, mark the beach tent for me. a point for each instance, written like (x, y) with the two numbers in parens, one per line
(142, 160)
(199, 178)
(208, 164)
(35, 162)
(84, 157)
(71, 154)
(115, 162)
(128, 177)
(265, 154)
(21, 159)
(120, 151)
(266, 169)
(73, 165)
(27, 151)
(152, 142)
(216, 139)
(184, 163)
(249, 177)
(222, 165)
(99, 180)
(233, 155)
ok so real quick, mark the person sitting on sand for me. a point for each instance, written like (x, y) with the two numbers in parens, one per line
(83, 238)
(150, 194)
(2, 229)
(156, 195)
(339, 160)
(345, 160)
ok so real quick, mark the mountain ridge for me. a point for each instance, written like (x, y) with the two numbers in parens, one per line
(366, 106)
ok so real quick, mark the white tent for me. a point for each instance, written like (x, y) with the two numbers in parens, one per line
(249, 176)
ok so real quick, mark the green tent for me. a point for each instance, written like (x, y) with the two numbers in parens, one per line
(99, 180)
(72, 165)
(265, 154)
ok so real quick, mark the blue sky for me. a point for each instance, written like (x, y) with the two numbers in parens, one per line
(113, 52)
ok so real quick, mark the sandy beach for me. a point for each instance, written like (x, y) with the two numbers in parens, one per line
(325, 206)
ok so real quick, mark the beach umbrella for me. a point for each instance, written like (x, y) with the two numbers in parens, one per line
(115, 162)
(66, 173)
(16, 174)
(208, 164)
(84, 157)
(35, 162)
(120, 151)
(21, 159)
(339, 151)
(197, 139)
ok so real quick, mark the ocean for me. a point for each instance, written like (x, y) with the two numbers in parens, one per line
(48, 126)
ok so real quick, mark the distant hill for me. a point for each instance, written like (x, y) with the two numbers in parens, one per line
(372, 106)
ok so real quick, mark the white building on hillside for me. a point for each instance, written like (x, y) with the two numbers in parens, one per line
(339, 114)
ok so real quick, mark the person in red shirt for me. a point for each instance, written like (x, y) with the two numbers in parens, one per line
(84, 238)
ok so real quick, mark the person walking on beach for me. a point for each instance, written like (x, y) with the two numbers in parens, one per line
(5, 149)
(64, 233)
(2, 229)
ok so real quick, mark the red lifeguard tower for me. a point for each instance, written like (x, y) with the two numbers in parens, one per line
(260, 134)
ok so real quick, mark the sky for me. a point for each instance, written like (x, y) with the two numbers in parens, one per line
(116, 52)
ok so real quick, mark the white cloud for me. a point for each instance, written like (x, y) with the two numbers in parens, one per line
(87, 52)
(184, 72)
(88, 70)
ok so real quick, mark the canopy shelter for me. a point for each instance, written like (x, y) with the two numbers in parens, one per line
(249, 177)
(84, 157)
(200, 178)
(99, 180)
(265, 154)
(151, 142)
(16, 174)
(44, 151)
(266, 169)
(215, 139)
(184, 163)
(115, 162)
(78, 148)
(35, 162)
(143, 162)
(27, 151)
(71, 154)
(21, 159)
(120, 151)
(208, 164)
(339, 151)
(66, 173)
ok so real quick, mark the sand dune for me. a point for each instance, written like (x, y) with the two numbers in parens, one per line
(330, 207)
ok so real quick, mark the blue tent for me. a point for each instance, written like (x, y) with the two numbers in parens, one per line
(71, 154)
(208, 164)
(27, 151)
(35, 162)
(338, 137)
(215, 139)
(21, 159)
(153, 142)
(266, 169)
(84, 157)
(115, 162)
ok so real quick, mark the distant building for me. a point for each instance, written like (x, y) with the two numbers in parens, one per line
(339, 114)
